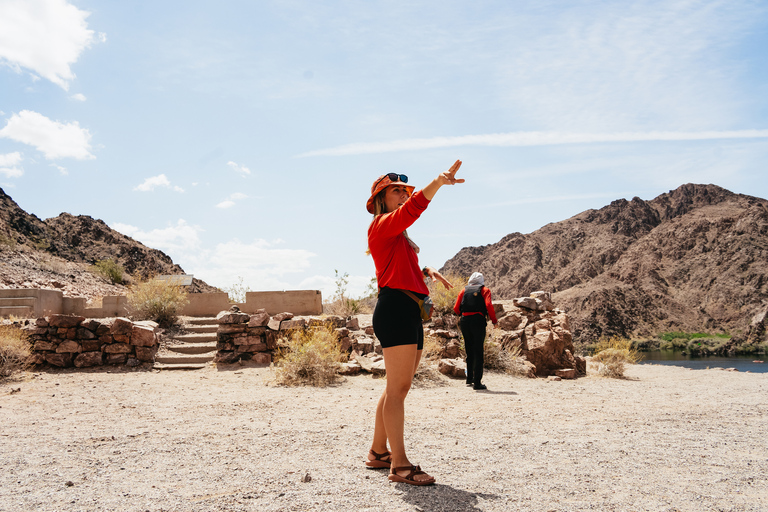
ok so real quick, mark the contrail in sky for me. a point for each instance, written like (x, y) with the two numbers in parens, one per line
(528, 139)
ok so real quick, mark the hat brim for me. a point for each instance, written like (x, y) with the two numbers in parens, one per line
(383, 184)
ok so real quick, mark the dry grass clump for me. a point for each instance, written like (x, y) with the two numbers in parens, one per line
(433, 348)
(613, 354)
(15, 351)
(310, 357)
(505, 360)
(158, 300)
(443, 298)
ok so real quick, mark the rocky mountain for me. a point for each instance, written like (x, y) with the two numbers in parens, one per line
(694, 259)
(58, 253)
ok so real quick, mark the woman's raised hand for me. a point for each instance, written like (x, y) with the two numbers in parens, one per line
(449, 176)
(446, 178)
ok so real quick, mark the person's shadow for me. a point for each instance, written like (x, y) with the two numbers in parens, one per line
(438, 498)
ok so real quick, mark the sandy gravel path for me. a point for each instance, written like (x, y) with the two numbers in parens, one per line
(664, 439)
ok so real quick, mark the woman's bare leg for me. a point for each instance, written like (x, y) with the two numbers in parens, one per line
(401, 362)
(379, 444)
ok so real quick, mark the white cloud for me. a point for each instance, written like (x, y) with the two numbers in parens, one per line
(529, 139)
(629, 65)
(230, 201)
(78, 97)
(43, 36)
(62, 170)
(150, 184)
(54, 139)
(240, 169)
(178, 239)
(9, 165)
(262, 264)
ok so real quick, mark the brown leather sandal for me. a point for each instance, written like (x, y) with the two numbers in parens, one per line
(409, 478)
(378, 461)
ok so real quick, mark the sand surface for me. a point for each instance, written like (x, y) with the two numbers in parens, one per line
(664, 439)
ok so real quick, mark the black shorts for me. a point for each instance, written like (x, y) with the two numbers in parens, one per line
(397, 320)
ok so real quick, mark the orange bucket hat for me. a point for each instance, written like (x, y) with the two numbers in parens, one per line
(384, 181)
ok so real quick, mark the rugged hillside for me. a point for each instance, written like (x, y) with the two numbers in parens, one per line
(57, 252)
(694, 259)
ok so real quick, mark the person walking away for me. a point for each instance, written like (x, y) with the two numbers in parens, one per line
(473, 304)
(397, 319)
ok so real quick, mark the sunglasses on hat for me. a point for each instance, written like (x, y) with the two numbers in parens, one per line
(393, 176)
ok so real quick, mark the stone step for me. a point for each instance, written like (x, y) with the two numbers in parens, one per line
(175, 358)
(201, 328)
(201, 320)
(192, 348)
(196, 337)
(188, 366)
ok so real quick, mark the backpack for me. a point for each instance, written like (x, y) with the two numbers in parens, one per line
(473, 300)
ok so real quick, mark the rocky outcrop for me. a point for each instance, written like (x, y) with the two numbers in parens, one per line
(57, 253)
(542, 333)
(64, 340)
(694, 259)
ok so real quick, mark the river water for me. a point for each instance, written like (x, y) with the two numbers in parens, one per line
(741, 363)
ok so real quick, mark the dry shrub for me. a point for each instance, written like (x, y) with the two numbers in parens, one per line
(158, 300)
(15, 351)
(309, 357)
(443, 298)
(433, 348)
(613, 354)
(506, 360)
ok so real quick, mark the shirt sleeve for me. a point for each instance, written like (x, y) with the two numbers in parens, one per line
(489, 304)
(457, 306)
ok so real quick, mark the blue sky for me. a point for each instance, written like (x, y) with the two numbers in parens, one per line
(242, 137)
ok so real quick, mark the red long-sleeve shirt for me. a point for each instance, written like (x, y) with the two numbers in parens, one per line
(397, 265)
(488, 305)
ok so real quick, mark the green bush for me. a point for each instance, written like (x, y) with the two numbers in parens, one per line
(15, 351)
(309, 357)
(158, 300)
(110, 269)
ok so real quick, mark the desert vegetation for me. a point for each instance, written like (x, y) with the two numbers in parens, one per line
(158, 300)
(613, 354)
(342, 304)
(15, 351)
(308, 357)
(110, 269)
(444, 298)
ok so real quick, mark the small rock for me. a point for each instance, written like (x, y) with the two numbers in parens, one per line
(306, 478)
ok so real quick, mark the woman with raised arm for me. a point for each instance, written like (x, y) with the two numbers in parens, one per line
(397, 319)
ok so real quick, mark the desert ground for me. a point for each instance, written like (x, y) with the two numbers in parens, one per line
(226, 439)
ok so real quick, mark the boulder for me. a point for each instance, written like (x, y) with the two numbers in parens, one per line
(146, 354)
(63, 360)
(232, 317)
(120, 327)
(69, 346)
(455, 368)
(143, 336)
(65, 321)
(87, 359)
(258, 319)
